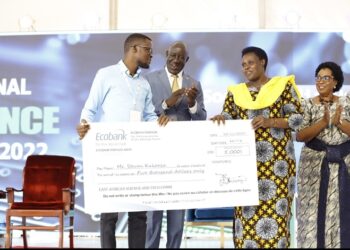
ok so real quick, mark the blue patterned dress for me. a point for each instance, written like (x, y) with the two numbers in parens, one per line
(309, 175)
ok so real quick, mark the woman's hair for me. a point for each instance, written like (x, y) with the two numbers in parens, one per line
(260, 53)
(336, 72)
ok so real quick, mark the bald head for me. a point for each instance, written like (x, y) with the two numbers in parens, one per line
(178, 44)
(177, 56)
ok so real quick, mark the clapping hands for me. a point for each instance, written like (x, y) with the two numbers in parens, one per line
(189, 93)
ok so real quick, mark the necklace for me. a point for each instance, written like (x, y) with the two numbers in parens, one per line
(323, 101)
(259, 84)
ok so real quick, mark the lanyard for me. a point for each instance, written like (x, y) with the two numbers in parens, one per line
(134, 95)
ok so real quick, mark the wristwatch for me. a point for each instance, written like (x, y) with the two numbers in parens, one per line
(164, 105)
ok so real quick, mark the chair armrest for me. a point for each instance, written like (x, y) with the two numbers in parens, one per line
(68, 195)
(11, 194)
(2, 194)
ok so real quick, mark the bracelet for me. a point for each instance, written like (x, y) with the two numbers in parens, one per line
(339, 123)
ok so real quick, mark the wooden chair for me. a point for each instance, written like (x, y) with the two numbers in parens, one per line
(48, 191)
(2, 224)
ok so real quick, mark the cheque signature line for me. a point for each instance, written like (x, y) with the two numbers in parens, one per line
(224, 179)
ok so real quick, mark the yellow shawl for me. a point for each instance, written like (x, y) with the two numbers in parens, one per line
(267, 95)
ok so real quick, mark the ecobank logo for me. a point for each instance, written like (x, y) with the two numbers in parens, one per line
(118, 135)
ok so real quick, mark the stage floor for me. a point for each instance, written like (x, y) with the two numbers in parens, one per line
(50, 239)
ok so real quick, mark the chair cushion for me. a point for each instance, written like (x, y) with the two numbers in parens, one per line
(225, 213)
(38, 205)
(45, 176)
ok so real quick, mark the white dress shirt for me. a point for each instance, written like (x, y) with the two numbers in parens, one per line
(115, 93)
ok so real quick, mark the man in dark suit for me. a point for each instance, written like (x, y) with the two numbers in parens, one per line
(180, 97)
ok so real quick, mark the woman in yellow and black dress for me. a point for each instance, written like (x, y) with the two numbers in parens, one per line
(273, 104)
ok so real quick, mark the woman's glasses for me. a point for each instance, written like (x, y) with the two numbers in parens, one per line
(323, 78)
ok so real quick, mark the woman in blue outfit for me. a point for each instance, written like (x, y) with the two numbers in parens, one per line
(323, 209)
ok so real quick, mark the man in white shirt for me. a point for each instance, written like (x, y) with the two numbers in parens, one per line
(120, 93)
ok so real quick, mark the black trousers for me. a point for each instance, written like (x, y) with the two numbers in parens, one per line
(136, 229)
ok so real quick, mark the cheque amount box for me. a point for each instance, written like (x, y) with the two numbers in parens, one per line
(234, 150)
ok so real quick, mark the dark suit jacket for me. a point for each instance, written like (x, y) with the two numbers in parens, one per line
(161, 90)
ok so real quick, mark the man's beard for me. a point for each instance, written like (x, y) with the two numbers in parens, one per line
(143, 65)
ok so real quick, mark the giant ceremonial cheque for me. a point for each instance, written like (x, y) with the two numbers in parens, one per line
(141, 166)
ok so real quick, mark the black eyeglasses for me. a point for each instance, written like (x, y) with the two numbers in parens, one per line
(147, 49)
(323, 78)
